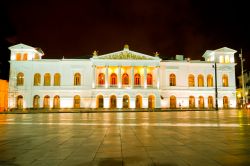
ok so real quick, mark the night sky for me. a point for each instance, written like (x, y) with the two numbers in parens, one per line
(73, 29)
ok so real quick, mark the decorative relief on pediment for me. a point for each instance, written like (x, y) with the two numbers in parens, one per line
(125, 55)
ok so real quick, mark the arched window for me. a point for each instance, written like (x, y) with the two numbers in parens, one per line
(113, 101)
(77, 79)
(20, 79)
(46, 102)
(191, 80)
(56, 102)
(172, 102)
(201, 102)
(57, 79)
(149, 79)
(36, 101)
(113, 79)
(225, 102)
(209, 80)
(151, 101)
(200, 80)
(99, 101)
(125, 101)
(225, 80)
(137, 80)
(191, 102)
(18, 56)
(47, 79)
(37, 79)
(25, 56)
(138, 101)
(101, 79)
(210, 102)
(77, 101)
(19, 102)
(125, 79)
(172, 80)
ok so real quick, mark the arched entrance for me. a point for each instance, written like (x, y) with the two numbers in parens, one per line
(172, 102)
(125, 101)
(225, 102)
(191, 102)
(19, 102)
(56, 102)
(99, 101)
(77, 101)
(138, 101)
(210, 102)
(151, 101)
(201, 102)
(113, 101)
(36, 101)
(46, 102)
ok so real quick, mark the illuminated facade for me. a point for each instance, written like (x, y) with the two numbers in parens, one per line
(123, 79)
(3, 95)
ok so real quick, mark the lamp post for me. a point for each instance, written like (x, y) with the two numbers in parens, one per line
(216, 88)
(242, 80)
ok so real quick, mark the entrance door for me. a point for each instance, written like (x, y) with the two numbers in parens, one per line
(113, 101)
(172, 102)
(151, 101)
(201, 102)
(125, 101)
(100, 101)
(225, 102)
(19, 102)
(138, 101)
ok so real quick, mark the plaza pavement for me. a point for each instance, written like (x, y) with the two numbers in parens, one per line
(126, 138)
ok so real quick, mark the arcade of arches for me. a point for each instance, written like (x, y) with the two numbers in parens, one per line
(126, 102)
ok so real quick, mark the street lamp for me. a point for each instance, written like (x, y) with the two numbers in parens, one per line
(242, 80)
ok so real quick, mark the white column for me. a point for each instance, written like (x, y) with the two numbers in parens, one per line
(106, 77)
(145, 76)
(94, 76)
(132, 77)
(158, 77)
(119, 77)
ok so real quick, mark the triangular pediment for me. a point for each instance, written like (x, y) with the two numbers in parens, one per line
(126, 55)
(225, 49)
(21, 46)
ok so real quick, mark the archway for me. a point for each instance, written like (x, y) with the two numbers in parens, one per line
(99, 101)
(210, 102)
(125, 101)
(172, 102)
(56, 103)
(138, 101)
(191, 102)
(225, 102)
(36, 101)
(19, 102)
(151, 101)
(46, 102)
(201, 102)
(77, 101)
(113, 101)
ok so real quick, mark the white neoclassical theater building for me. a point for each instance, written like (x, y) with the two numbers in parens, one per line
(122, 79)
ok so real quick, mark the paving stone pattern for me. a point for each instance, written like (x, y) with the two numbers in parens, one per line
(132, 138)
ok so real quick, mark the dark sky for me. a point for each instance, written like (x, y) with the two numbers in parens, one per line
(77, 28)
